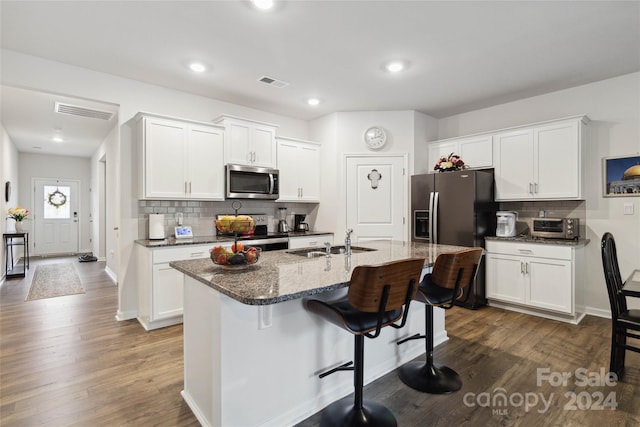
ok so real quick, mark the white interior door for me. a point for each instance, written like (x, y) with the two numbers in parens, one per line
(56, 216)
(377, 197)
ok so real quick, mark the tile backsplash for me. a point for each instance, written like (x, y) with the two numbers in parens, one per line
(551, 209)
(200, 215)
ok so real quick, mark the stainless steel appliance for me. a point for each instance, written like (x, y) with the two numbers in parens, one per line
(506, 223)
(283, 226)
(555, 228)
(455, 208)
(250, 182)
(299, 224)
(260, 237)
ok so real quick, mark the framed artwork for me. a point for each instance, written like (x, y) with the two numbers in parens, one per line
(621, 176)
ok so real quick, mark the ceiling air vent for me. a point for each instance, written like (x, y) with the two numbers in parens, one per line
(75, 110)
(273, 82)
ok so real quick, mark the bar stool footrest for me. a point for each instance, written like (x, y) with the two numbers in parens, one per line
(430, 379)
(344, 413)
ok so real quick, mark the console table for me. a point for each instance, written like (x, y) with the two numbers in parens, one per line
(11, 240)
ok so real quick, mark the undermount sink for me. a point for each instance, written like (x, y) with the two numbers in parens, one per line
(336, 250)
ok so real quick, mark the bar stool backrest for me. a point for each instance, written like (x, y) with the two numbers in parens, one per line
(612, 275)
(448, 266)
(366, 287)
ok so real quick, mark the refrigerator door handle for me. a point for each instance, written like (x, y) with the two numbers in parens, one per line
(434, 215)
(431, 218)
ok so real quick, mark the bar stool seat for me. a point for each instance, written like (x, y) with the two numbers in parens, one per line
(378, 296)
(452, 273)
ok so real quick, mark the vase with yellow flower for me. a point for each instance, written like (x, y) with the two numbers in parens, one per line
(18, 214)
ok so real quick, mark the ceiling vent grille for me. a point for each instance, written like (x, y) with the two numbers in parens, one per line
(75, 110)
(273, 82)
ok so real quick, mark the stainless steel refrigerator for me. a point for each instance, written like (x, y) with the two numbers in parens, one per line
(455, 208)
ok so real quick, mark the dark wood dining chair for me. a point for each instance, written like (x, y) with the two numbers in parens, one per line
(453, 273)
(623, 321)
(378, 296)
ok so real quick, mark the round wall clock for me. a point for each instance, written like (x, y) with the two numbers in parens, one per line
(375, 137)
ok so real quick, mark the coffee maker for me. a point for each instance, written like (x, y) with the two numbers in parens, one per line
(299, 224)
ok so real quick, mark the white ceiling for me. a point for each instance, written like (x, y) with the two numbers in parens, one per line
(463, 55)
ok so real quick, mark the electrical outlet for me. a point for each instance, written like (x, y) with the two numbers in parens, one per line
(628, 209)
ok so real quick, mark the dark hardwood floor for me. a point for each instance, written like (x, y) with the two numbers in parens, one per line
(66, 361)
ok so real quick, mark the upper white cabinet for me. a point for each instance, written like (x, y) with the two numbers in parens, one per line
(299, 167)
(540, 162)
(180, 159)
(475, 151)
(248, 142)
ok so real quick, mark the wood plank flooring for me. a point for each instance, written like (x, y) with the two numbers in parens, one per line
(66, 361)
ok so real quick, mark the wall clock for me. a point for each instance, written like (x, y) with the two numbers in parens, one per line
(375, 137)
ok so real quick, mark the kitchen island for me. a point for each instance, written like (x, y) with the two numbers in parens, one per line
(252, 353)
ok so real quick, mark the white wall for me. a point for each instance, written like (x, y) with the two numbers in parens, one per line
(35, 73)
(342, 133)
(613, 106)
(8, 172)
(60, 167)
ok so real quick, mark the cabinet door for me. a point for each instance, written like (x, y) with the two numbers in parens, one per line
(205, 164)
(167, 298)
(550, 284)
(513, 161)
(236, 143)
(505, 278)
(477, 152)
(288, 168)
(309, 173)
(165, 161)
(263, 146)
(557, 172)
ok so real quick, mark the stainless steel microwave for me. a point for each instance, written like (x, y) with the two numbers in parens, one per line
(251, 182)
(555, 228)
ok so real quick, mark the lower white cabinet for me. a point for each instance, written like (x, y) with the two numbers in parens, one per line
(541, 279)
(160, 287)
(310, 241)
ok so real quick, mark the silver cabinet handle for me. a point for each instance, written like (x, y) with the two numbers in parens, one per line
(526, 268)
(116, 228)
(530, 188)
(189, 187)
(185, 187)
(521, 267)
(535, 188)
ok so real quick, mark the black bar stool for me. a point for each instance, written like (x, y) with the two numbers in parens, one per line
(378, 296)
(452, 273)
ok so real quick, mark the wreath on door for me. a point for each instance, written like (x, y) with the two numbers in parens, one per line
(57, 199)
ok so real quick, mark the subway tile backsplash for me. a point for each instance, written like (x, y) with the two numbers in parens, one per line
(200, 215)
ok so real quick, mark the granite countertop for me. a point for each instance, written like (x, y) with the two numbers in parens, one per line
(541, 241)
(279, 276)
(201, 240)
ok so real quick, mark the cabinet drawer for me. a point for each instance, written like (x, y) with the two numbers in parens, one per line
(182, 253)
(530, 250)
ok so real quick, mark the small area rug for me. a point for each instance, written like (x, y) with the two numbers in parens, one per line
(54, 280)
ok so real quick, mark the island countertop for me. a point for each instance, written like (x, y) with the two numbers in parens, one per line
(280, 276)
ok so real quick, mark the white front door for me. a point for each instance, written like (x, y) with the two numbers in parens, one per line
(55, 216)
(377, 197)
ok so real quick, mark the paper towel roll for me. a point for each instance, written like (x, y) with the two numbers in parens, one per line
(156, 226)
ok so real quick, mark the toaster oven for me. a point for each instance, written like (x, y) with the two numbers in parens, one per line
(556, 228)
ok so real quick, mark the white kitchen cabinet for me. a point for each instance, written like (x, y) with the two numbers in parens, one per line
(180, 159)
(542, 279)
(248, 142)
(542, 162)
(310, 241)
(475, 151)
(160, 287)
(299, 167)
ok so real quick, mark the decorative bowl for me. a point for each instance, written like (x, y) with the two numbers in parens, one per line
(235, 224)
(239, 260)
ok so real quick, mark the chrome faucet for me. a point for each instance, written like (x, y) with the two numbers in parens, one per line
(347, 242)
(328, 248)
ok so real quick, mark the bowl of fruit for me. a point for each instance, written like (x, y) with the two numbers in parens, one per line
(236, 257)
(235, 224)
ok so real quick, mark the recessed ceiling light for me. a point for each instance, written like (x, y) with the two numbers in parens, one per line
(263, 4)
(197, 67)
(57, 139)
(313, 101)
(395, 66)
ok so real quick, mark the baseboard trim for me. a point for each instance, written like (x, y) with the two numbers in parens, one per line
(112, 275)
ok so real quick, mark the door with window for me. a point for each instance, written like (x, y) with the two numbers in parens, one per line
(56, 216)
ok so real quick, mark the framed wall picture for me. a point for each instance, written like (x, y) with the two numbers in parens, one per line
(621, 176)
